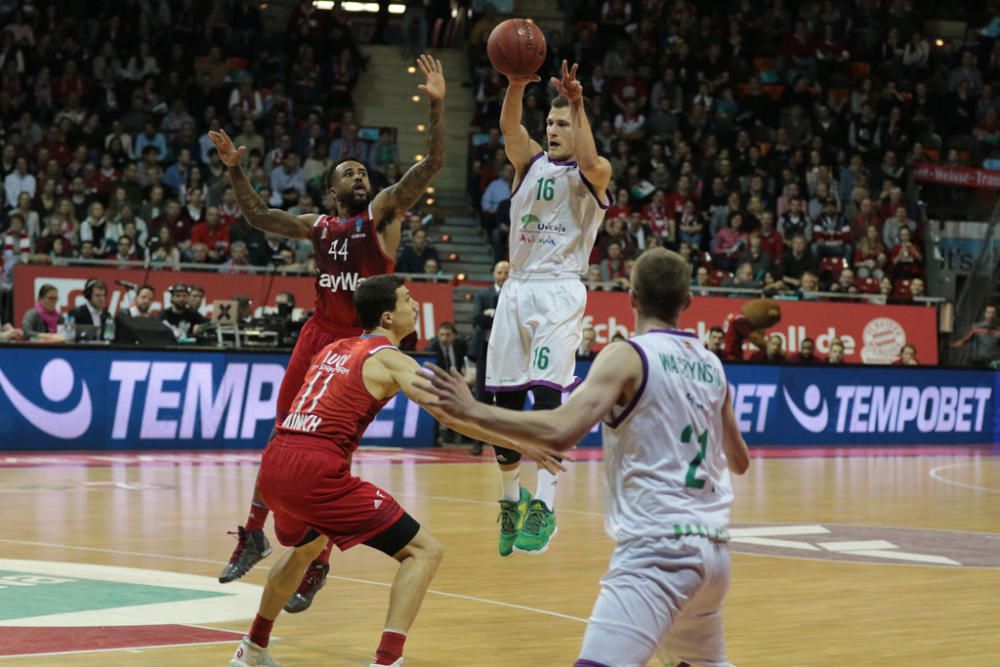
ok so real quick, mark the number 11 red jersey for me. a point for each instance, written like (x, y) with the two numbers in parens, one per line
(333, 402)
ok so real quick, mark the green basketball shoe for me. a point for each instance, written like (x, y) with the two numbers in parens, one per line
(538, 529)
(511, 517)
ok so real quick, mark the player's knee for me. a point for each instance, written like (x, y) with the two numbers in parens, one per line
(434, 551)
(506, 457)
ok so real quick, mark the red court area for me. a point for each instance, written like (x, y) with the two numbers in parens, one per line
(40, 641)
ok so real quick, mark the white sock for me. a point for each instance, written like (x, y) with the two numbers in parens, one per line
(547, 488)
(510, 484)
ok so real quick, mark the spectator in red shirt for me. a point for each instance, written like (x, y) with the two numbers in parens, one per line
(870, 255)
(213, 233)
(771, 240)
(906, 260)
(729, 243)
(630, 88)
(679, 197)
(71, 82)
(176, 220)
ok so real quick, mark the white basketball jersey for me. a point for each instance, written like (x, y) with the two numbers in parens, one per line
(555, 215)
(663, 459)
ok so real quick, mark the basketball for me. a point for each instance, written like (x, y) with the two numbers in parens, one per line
(516, 47)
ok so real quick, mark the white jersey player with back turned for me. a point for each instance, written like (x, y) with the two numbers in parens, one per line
(556, 209)
(670, 441)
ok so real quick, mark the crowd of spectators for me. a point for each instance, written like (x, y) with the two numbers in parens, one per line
(771, 142)
(104, 113)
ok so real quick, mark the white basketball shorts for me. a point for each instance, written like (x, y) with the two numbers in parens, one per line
(660, 597)
(537, 329)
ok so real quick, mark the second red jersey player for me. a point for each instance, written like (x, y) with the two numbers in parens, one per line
(347, 250)
(360, 243)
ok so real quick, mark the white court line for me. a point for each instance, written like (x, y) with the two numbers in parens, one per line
(382, 584)
(935, 475)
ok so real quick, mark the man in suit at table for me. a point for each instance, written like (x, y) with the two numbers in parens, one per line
(449, 352)
(94, 312)
(486, 304)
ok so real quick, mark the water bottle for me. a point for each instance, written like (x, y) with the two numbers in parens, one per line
(109, 330)
(70, 327)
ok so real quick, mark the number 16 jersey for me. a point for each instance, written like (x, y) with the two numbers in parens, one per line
(555, 214)
(664, 465)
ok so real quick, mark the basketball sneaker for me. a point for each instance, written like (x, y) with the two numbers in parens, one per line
(538, 529)
(251, 548)
(314, 580)
(511, 517)
(249, 654)
(398, 663)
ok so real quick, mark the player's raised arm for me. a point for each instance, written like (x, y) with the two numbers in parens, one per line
(517, 143)
(257, 213)
(596, 168)
(615, 377)
(389, 204)
(400, 370)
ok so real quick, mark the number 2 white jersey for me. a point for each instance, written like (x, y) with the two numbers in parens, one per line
(663, 460)
(555, 214)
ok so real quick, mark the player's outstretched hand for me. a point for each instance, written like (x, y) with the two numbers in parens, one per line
(567, 85)
(228, 152)
(456, 400)
(453, 395)
(431, 67)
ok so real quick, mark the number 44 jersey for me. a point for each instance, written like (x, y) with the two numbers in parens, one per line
(555, 214)
(347, 250)
(665, 468)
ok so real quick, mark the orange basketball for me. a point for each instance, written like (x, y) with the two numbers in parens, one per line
(516, 47)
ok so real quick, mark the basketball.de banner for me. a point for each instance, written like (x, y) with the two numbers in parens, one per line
(121, 399)
(872, 334)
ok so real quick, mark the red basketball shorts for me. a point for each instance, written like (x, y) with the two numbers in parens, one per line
(315, 335)
(307, 484)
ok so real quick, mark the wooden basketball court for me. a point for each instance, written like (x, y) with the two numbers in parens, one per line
(894, 597)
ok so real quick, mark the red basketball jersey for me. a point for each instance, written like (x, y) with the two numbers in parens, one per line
(347, 251)
(333, 402)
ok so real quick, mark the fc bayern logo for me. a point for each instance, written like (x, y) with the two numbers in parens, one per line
(881, 341)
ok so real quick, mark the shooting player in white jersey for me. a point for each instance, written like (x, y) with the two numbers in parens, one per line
(556, 209)
(670, 442)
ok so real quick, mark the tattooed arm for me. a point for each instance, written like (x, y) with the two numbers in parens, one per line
(389, 205)
(257, 213)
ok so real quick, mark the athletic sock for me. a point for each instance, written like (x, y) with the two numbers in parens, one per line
(260, 631)
(324, 557)
(390, 649)
(257, 517)
(547, 488)
(511, 484)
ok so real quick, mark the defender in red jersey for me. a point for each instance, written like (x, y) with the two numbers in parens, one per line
(360, 243)
(305, 475)
(750, 324)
